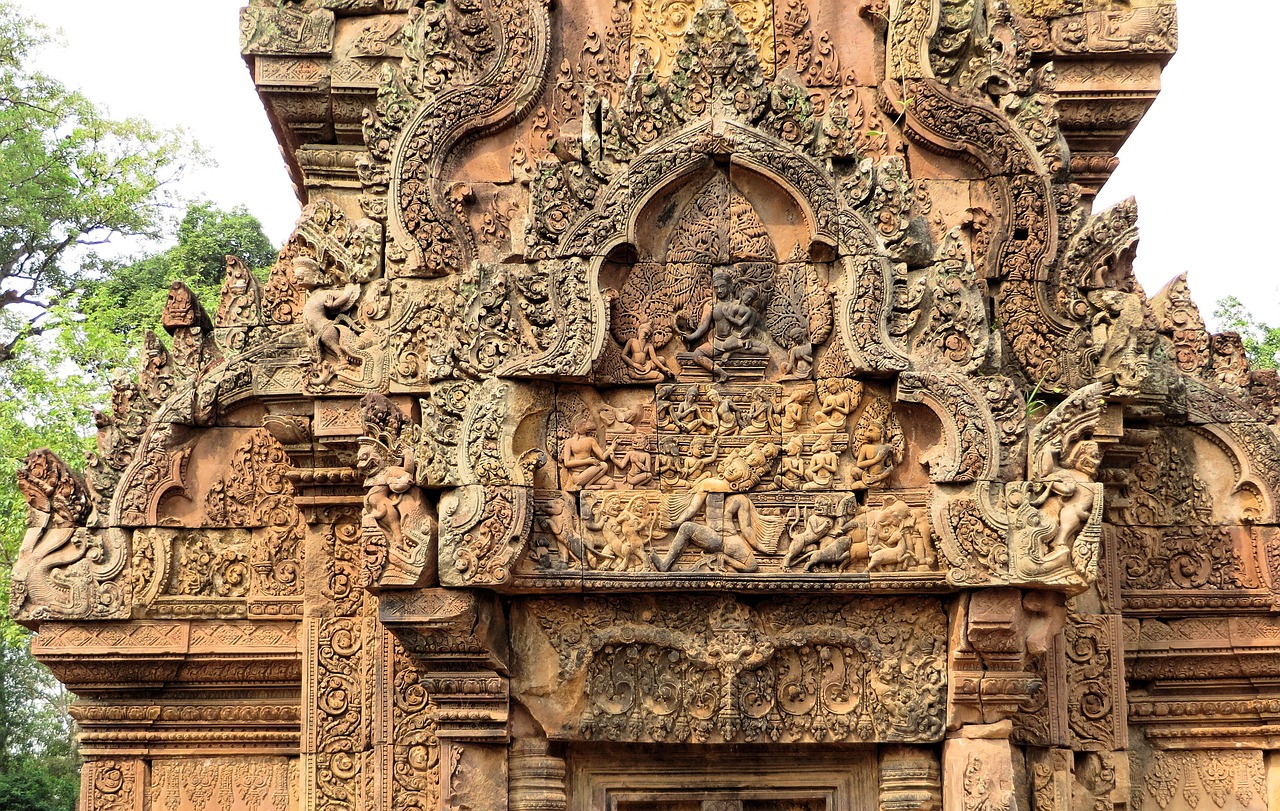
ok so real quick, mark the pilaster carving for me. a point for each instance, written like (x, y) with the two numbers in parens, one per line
(110, 784)
(910, 779)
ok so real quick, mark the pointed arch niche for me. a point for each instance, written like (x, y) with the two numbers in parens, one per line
(731, 245)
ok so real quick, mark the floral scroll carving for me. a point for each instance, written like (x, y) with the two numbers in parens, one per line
(716, 670)
(257, 493)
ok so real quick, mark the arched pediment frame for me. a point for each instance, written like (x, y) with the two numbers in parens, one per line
(1251, 445)
(863, 301)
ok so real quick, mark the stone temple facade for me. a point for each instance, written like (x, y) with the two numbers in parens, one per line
(681, 404)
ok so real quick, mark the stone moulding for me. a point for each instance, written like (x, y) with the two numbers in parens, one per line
(672, 382)
(740, 674)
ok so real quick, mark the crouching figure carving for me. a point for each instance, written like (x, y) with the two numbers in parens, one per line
(400, 521)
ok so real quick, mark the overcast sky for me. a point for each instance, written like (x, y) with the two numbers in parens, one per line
(1199, 165)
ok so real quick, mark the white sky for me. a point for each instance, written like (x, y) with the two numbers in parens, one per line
(1204, 177)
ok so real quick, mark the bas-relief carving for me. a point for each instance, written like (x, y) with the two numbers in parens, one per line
(255, 784)
(112, 785)
(1045, 530)
(678, 297)
(63, 569)
(1234, 780)
(400, 521)
(659, 26)
(714, 669)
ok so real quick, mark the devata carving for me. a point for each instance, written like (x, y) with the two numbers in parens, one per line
(646, 376)
(400, 547)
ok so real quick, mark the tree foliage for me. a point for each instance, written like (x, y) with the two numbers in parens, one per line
(1261, 341)
(38, 765)
(49, 387)
(71, 178)
(102, 326)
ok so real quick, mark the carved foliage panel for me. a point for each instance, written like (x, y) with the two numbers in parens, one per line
(712, 669)
(1093, 651)
(113, 784)
(1188, 518)
(235, 784)
(338, 686)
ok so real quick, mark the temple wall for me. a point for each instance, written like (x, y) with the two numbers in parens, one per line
(665, 404)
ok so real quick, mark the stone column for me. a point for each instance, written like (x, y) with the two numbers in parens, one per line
(910, 779)
(535, 777)
(983, 770)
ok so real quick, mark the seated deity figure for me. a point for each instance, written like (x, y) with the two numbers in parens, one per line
(744, 314)
(794, 409)
(799, 362)
(586, 464)
(824, 466)
(641, 357)
(697, 464)
(668, 466)
(663, 407)
(637, 465)
(725, 419)
(726, 326)
(834, 407)
(791, 469)
(687, 415)
(875, 459)
(763, 418)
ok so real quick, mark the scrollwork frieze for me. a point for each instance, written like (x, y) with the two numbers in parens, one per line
(712, 669)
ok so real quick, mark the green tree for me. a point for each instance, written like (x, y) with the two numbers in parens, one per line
(35, 731)
(29, 786)
(71, 178)
(38, 767)
(1261, 341)
(49, 386)
(102, 326)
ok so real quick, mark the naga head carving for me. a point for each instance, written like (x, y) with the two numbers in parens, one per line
(51, 487)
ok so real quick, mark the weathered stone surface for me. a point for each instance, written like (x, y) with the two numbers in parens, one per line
(683, 404)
